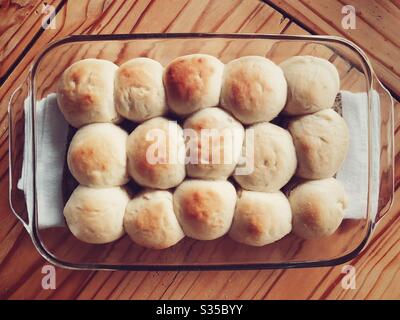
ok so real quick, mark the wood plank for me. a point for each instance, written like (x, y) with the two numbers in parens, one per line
(377, 26)
(20, 275)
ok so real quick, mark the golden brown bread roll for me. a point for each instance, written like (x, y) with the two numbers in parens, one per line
(204, 208)
(85, 92)
(193, 82)
(97, 155)
(150, 220)
(156, 154)
(139, 90)
(216, 156)
(253, 89)
(261, 218)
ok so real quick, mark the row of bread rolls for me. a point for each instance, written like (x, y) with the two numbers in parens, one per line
(314, 147)
(254, 90)
(321, 139)
(158, 219)
(103, 155)
(205, 210)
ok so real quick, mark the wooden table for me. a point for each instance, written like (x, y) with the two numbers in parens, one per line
(21, 38)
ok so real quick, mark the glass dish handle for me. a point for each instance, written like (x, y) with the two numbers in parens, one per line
(386, 130)
(17, 134)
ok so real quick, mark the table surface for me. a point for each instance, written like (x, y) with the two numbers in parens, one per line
(22, 37)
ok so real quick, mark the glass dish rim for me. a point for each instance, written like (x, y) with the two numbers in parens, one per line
(34, 231)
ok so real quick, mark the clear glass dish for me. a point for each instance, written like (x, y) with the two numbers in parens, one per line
(59, 246)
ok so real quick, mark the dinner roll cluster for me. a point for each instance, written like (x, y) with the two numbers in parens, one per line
(201, 154)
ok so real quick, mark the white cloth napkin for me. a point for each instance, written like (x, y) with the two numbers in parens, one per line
(354, 171)
(52, 131)
(51, 139)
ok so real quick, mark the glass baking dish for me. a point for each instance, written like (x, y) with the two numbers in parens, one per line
(59, 246)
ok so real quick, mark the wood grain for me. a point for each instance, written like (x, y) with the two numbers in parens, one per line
(20, 264)
(376, 29)
(20, 21)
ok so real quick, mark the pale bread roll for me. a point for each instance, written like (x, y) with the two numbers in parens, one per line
(216, 151)
(97, 155)
(205, 208)
(139, 90)
(261, 218)
(318, 207)
(193, 82)
(156, 154)
(150, 220)
(321, 140)
(313, 84)
(253, 89)
(96, 215)
(270, 150)
(85, 92)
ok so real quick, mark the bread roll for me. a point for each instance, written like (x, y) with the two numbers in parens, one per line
(318, 207)
(261, 218)
(214, 145)
(193, 82)
(97, 155)
(85, 92)
(205, 208)
(96, 215)
(156, 154)
(270, 150)
(313, 84)
(321, 140)
(253, 89)
(139, 90)
(150, 220)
